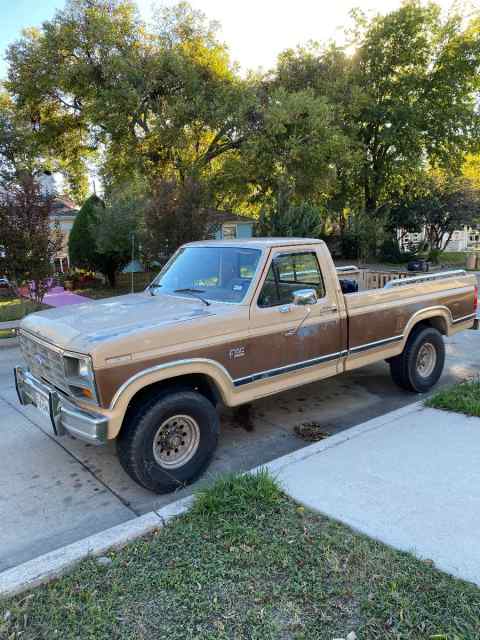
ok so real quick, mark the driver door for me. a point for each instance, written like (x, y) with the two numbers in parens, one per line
(287, 335)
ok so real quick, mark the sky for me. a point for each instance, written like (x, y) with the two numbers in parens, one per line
(256, 31)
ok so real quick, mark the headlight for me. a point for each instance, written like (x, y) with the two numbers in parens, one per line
(83, 369)
(79, 376)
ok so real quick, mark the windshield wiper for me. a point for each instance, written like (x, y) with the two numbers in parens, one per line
(194, 292)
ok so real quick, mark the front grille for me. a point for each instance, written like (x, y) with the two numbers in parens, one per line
(44, 361)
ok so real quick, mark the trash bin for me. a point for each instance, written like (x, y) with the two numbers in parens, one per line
(472, 261)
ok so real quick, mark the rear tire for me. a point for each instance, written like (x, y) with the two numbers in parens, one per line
(167, 442)
(420, 365)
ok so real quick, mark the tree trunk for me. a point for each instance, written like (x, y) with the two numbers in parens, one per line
(111, 277)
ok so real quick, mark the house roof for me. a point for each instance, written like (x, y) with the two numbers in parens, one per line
(63, 206)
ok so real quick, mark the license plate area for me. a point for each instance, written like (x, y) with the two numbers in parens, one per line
(42, 402)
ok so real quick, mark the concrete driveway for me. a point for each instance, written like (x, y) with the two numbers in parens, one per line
(54, 491)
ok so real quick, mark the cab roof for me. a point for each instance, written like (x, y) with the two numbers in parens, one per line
(256, 243)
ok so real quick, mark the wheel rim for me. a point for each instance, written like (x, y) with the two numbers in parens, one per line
(426, 360)
(176, 441)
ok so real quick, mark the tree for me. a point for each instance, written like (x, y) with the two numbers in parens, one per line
(451, 204)
(82, 242)
(285, 219)
(29, 241)
(174, 214)
(164, 102)
(100, 238)
(115, 225)
(440, 205)
(417, 77)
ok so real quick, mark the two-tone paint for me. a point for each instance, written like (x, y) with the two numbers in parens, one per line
(245, 351)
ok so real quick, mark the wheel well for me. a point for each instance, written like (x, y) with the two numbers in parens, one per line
(192, 382)
(437, 322)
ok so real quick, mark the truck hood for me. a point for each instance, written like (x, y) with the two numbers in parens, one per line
(84, 327)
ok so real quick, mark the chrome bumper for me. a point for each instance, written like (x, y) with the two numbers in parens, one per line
(64, 415)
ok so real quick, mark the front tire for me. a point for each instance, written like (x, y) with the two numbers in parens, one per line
(420, 365)
(169, 441)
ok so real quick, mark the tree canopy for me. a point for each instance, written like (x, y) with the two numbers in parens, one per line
(346, 131)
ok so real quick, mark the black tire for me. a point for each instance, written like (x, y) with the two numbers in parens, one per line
(135, 445)
(406, 369)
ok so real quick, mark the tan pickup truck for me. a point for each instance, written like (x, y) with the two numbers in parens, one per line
(226, 322)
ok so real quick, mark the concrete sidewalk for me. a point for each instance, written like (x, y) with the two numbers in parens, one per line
(410, 479)
(58, 297)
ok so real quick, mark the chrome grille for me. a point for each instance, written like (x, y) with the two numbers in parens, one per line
(44, 361)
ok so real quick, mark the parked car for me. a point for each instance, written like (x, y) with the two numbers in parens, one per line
(418, 264)
(226, 322)
(4, 282)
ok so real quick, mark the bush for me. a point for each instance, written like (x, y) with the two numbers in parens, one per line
(291, 221)
(391, 252)
(350, 244)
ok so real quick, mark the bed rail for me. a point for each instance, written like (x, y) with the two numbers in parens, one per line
(427, 277)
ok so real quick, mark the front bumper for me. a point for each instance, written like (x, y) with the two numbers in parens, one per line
(65, 416)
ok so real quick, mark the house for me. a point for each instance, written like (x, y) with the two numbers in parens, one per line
(63, 211)
(224, 225)
(466, 239)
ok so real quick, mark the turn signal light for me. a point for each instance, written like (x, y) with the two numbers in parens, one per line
(87, 393)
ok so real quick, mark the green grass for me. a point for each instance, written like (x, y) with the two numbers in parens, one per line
(463, 397)
(17, 308)
(247, 562)
(453, 258)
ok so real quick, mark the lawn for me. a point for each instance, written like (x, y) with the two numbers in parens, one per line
(463, 397)
(454, 259)
(247, 562)
(17, 308)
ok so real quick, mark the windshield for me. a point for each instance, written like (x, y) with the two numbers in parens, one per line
(213, 273)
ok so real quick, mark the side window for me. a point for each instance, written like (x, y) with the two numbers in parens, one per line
(288, 273)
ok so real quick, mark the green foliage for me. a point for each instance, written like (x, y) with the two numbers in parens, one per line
(161, 103)
(440, 204)
(82, 247)
(101, 236)
(28, 239)
(175, 213)
(289, 220)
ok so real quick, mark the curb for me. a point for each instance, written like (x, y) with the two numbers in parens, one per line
(56, 563)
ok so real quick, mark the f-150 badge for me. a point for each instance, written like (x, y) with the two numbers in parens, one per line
(237, 352)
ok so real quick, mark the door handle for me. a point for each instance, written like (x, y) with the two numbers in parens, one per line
(328, 310)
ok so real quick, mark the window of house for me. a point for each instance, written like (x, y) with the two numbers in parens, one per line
(287, 274)
(229, 231)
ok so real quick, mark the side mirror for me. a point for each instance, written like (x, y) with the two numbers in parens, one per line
(303, 297)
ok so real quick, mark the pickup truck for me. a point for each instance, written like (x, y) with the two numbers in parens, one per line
(226, 322)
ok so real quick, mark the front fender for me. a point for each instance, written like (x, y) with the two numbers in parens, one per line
(218, 375)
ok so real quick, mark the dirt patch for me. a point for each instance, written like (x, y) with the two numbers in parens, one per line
(310, 431)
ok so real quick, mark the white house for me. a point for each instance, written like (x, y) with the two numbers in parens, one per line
(466, 239)
(63, 211)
